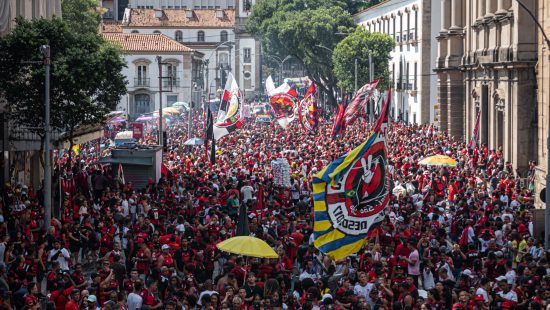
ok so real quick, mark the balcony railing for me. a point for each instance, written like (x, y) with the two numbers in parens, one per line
(141, 82)
(173, 82)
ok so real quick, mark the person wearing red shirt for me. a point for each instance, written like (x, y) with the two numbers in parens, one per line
(73, 300)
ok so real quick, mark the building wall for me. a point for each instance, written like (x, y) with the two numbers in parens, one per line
(213, 56)
(411, 24)
(21, 156)
(148, 84)
(543, 99)
(10, 9)
(487, 66)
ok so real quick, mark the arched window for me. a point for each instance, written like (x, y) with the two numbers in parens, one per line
(156, 31)
(179, 36)
(223, 36)
(223, 59)
(135, 31)
(200, 36)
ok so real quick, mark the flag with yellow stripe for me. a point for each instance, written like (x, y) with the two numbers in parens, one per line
(351, 193)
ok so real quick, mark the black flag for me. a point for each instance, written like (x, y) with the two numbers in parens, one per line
(210, 136)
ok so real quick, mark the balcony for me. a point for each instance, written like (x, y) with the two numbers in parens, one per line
(173, 82)
(141, 82)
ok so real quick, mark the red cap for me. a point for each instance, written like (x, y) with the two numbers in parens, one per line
(479, 297)
(140, 240)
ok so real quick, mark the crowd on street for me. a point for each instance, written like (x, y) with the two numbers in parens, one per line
(453, 237)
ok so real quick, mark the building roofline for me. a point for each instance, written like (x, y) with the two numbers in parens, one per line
(371, 8)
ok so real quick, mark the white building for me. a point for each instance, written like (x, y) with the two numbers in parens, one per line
(181, 65)
(413, 24)
(212, 27)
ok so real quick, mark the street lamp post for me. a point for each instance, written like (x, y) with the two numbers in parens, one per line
(281, 63)
(161, 134)
(547, 211)
(45, 49)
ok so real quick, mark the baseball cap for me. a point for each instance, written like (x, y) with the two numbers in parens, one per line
(165, 247)
(92, 298)
(501, 278)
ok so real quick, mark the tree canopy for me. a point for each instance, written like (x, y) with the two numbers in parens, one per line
(83, 16)
(86, 78)
(305, 30)
(356, 46)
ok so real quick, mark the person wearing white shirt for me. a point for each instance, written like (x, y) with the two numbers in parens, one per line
(363, 287)
(247, 191)
(135, 301)
(61, 255)
(505, 293)
(484, 285)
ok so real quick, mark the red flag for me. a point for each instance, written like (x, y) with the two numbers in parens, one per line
(475, 133)
(307, 110)
(359, 100)
(339, 122)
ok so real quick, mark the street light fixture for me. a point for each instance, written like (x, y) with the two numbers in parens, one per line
(281, 63)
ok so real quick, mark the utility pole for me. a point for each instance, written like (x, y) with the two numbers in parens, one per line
(355, 74)
(161, 133)
(45, 49)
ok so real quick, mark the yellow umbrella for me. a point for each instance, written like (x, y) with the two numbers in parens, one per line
(171, 110)
(247, 246)
(438, 160)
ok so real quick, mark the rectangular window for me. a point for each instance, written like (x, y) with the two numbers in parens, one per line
(171, 99)
(247, 55)
(415, 76)
(407, 77)
(415, 23)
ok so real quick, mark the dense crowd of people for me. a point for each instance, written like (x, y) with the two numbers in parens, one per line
(453, 237)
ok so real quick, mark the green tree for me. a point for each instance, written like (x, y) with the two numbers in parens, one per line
(83, 16)
(86, 78)
(356, 46)
(305, 30)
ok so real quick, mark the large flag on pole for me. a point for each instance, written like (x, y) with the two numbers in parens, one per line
(339, 125)
(350, 194)
(475, 133)
(359, 100)
(307, 110)
(230, 116)
(284, 101)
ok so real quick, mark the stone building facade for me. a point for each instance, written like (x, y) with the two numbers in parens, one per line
(543, 98)
(412, 24)
(486, 65)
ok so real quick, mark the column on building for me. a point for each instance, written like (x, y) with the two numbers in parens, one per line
(442, 94)
(490, 9)
(502, 7)
(455, 80)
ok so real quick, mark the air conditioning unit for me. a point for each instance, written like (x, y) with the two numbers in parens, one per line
(189, 14)
(158, 13)
(220, 14)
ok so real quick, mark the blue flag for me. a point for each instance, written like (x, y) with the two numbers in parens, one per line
(351, 193)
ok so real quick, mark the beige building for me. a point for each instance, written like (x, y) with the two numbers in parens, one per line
(10, 9)
(486, 64)
(543, 97)
(19, 147)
